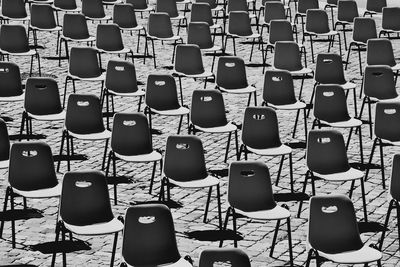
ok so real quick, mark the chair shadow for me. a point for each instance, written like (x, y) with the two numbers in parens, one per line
(297, 145)
(371, 227)
(364, 166)
(66, 246)
(27, 136)
(219, 172)
(72, 157)
(20, 214)
(213, 235)
(286, 197)
(119, 180)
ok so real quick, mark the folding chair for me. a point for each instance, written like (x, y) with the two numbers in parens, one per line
(207, 115)
(13, 10)
(162, 98)
(363, 30)
(149, 238)
(374, 7)
(347, 11)
(333, 233)
(31, 174)
(231, 77)
(327, 159)
(10, 82)
(185, 167)
(233, 256)
(14, 42)
(131, 141)
(83, 121)
(85, 209)
(390, 22)
(94, 10)
(250, 195)
(170, 7)
(279, 93)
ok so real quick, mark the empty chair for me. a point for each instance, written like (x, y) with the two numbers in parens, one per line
(333, 233)
(141, 6)
(301, 13)
(10, 82)
(331, 4)
(231, 77)
(14, 42)
(185, 167)
(13, 10)
(235, 257)
(170, 7)
(207, 115)
(66, 6)
(31, 174)
(162, 98)
(250, 195)
(94, 10)
(374, 7)
(83, 121)
(363, 30)
(131, 141)
(42, 103)
(85, 209)
(390, 21)
(201, 11)
(347, 11)
(273, 10)
(149, 237)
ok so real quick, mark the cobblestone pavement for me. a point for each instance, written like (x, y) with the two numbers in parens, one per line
(257, 236)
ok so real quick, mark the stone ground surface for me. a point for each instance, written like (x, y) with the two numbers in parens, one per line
(257, 236)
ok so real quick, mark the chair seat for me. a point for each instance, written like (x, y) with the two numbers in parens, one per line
(147, 9)
(110, 227)
(363, 255)
(229, 127)
(204, 74)
(389, 30)
(247, 90)
(172, 38)
(31, 52)
(330, 33)
(106, 134)
(89, 39)
(294, 106)
(351, 174)
(393, 143)
(206, 182)
(273, 151)
(130, 94)
(303, 71)
(152, 156)
(396, 67)
(216, 26)
(180, 263)
(394, 99)
(349, 86)
(215, 48)
(77, 9)
(179, 17)
(172, 112)
(358, 43)
(217, 8)
(106, 17)
(41, 193)
(12, 98)
(55, 29)
(121, 51)
(252, 36)
(102, 77)
(49, 117)
(276, 213)
(352, 122)
(137, 28)
(15, 19)
(4, 164)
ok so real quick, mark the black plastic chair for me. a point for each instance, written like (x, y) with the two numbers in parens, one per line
(374, 7)
(4, 145)
(31, 174)
(347, 11)
(201, 11)
(85, 209)
(185, 167)
(94, 10)
(141, 6)
(131, 141)
(162, 98)
(301, 11)
(333, 233)
(83, 121)
(250, 195)
(331, 4)
(273, 10)
(233, 256)
(170, 7)
(42, 103)
(149, 238)
(390, 21)
(207, 115)
(14, 42)
(13, 10)
(10, 82)
(66, 6)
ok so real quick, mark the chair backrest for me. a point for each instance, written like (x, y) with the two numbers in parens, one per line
(237, 5)
(159, 25)
(274, 10)
(149, 236)
(184, 158)
(161, 92)
(31, 166)
(207, 109)
(376, 5)
(83, 115)
(249, 186)
(14, 9)
(395, 178)
(329, 69)
(287, 56)
(347, 10)
(330, 103)
(65, 4)
(332, 225)
(211, 3)
(84, 62)
(199, 34)
(124, 16)
(188, 59)
(387, 121)
(233, 256)
(4, 141)
(201, 12)
(364, 29)
(121, 77)
(304, 5)
(108, 37)
(10, 79)
(239, 23)
(85, 199)
(167, 6)
(278, 87)
(138, 4)
(131, 134)
(42, 96)
(75, 26)
(326, 152)
(280, 30)
(42, 16)
(231, 73)
(379, 82)
(380, 52)
(260, 128)
(317, 21)
(390, 18)
(13, 38)
(93, 8)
